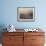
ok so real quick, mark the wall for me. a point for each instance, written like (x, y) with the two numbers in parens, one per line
(9, 13)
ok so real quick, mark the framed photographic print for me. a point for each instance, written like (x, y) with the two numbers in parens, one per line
(26, 14)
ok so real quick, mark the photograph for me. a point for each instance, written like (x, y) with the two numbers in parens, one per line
(25, 14)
